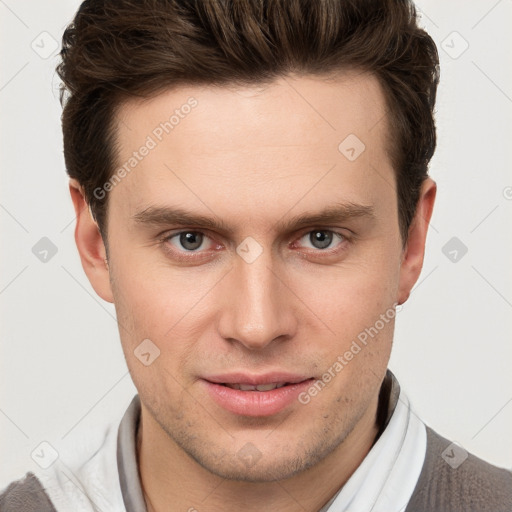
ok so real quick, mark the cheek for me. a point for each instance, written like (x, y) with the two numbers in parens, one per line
(161, 306)
(352, 296)
(157, 299)
(356, 303)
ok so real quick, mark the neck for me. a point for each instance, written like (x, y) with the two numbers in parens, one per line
(169, 475)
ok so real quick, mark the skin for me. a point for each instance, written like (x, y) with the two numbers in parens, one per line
(255, 157)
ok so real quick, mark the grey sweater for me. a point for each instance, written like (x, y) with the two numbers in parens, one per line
(473, 486)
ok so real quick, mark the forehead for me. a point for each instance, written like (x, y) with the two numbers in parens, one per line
(255, 146)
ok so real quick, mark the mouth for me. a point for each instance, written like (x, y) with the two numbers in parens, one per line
(260, 387)
(245, 395)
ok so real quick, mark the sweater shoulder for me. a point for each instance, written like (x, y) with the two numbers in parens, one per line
(454, 480)
(25, 495)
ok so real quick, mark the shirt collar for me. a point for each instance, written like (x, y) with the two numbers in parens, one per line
(129, 475)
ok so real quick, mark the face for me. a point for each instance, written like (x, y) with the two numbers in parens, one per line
(256, 242)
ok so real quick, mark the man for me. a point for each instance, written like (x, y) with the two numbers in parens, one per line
(251, 189)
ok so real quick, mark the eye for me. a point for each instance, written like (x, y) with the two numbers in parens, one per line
(191, 241)
(322, 238)
(189, 246)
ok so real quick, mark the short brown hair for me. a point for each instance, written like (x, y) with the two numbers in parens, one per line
(117, 49)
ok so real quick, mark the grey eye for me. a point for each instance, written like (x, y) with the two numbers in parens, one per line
(191, 240)
(320, 239)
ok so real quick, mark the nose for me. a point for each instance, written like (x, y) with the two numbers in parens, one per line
(258, 307)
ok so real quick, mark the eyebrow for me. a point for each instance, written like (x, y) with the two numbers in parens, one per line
(165, 216)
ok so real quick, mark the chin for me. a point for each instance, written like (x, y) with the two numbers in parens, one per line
(254, 463)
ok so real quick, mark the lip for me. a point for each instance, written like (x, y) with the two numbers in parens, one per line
(256, 380)
(256, 403)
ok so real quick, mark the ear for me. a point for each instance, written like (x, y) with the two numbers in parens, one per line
(412, 258)
(90, 244)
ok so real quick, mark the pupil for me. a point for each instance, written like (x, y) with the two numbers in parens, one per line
(191, 240)
(321, 239)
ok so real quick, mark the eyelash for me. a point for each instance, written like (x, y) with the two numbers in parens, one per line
(193, 255)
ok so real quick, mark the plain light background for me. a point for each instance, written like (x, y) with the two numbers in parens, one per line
(62, 371)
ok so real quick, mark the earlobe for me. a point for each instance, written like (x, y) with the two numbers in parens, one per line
(414, 252)
(90, 245)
